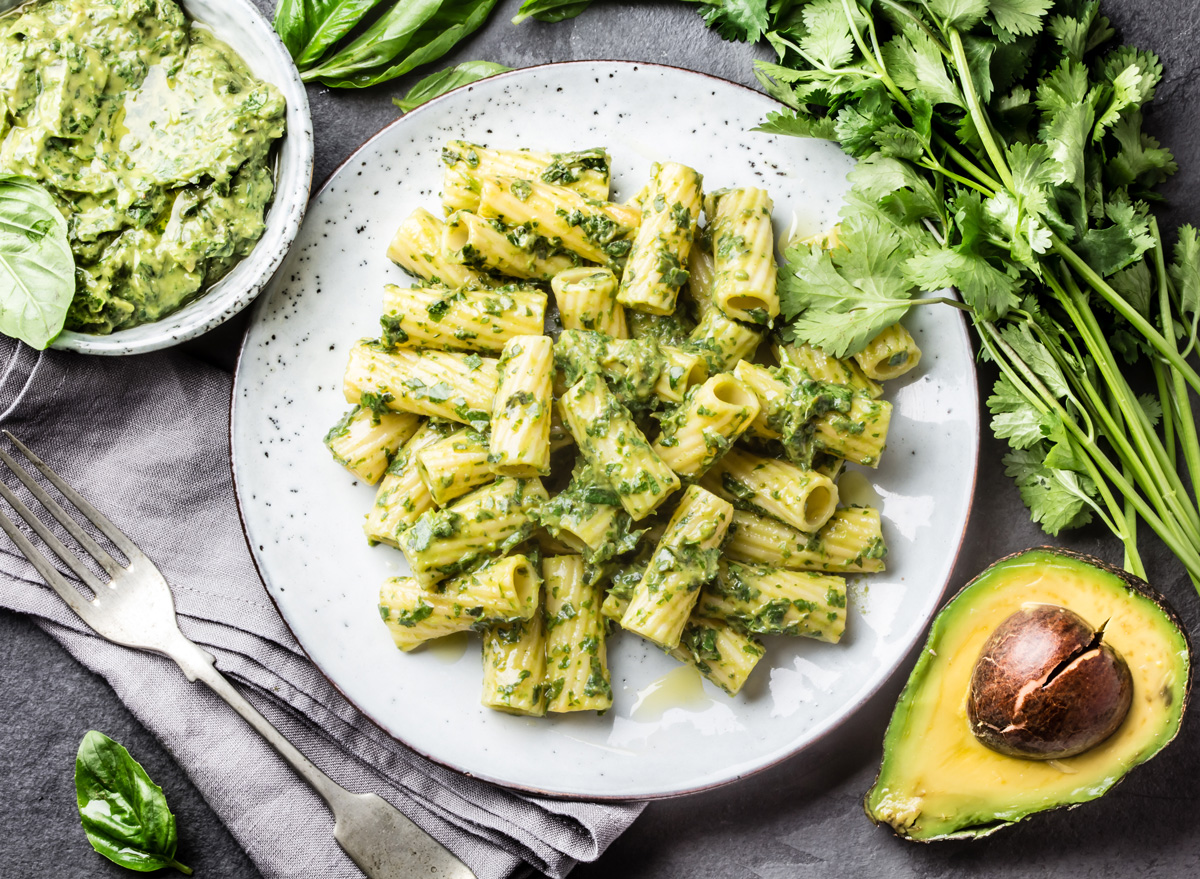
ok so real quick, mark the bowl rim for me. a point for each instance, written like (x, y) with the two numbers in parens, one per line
(287, 208)
(824, 736)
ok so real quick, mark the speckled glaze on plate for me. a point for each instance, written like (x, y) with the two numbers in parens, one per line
(243, 27)
(303, 513)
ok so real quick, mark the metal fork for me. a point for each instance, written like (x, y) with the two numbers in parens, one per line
(135, 609)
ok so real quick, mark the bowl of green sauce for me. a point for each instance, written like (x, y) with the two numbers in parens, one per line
(176, 140)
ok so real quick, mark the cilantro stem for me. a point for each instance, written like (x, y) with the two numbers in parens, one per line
(1162, 483)
(1011, 364)
(967, 165)
(935, 165)
(975, 109)
(941, 300)
(1176, 409)
(907, 13)
(1038, 395)
(1127, 311)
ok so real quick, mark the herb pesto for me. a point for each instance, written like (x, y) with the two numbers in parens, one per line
(153, 138)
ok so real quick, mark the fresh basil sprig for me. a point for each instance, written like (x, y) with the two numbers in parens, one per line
(437, 84)
(37, 268)
(407, 34)
(125, 814)
(550, 10)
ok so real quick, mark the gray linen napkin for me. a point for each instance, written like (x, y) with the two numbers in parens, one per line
(146, 439)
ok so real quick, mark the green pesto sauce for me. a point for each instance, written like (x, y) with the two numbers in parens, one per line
(153, 138)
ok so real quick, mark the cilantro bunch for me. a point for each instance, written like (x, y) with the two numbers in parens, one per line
(1001, 153)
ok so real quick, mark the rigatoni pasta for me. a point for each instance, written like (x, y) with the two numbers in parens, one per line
(684, 559)
(743, 246)
(460, 320)
(520, 442)
(468, 164)
(617, 450)
(576, 654)
(597, 231)
(476, 391)
(439, 384)
(403, 495)
(706, 425)
(657, 264)
(366, 438)
(417, 248)
(587, 300)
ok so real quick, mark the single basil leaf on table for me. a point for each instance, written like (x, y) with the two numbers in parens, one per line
(550, 11)
(408, 35)
(437, 84)
(37, 268)
(125, 814)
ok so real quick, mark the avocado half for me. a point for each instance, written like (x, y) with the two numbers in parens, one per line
(938, 782)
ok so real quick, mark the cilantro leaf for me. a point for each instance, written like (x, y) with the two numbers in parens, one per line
(1022, 17)
(988, 290)
(794, 124)
(1185, 272)
(1057, 499)
(1013, 417)
(828, 39)
(736, 20)
(959, 14)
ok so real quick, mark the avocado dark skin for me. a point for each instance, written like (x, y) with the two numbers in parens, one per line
(1046, 686)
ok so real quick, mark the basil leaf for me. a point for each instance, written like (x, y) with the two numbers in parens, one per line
(415, 32)
(337, 19)
(437, 84)
(125, 814)
(37, 268)
(550, 10)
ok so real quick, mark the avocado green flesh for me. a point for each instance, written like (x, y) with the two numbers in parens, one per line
(153, 138)
(938, 782)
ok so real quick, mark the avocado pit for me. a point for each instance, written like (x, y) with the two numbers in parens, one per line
(1047, 686)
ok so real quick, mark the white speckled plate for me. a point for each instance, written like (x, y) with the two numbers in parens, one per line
(303, 513)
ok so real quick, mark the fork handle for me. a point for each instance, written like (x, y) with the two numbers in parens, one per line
(394, 847)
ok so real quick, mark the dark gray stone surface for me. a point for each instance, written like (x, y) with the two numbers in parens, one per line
(804, 817)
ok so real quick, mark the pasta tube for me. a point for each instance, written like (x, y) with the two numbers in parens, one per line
(723, 341)
(468, 164)
(364, 441)
(708, 423)
(772, 395)
(683, 560)
(797, 497)
(598, 231)
(739, 223)
(462, 320)
(505, 589)
(821, 367)
(451, 467)
(587, 300)
(850, 542)
(402, 496)
(461, 537)
(617, 450)
(414, 615)
(489, 245)
(514, 666)
(520, 443)
(719, 652)
(588, 516)
(576, 656)
(681, 371)
(774, 601)
(631, 367)
(858, 435)
(417, 248)
(656, 267)
(439, 384)
(890, 354)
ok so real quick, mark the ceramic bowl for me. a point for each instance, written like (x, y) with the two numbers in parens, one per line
(243, 27)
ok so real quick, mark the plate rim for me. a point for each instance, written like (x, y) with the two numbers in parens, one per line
(260, 304)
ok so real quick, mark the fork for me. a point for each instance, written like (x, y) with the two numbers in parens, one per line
(136, 609)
